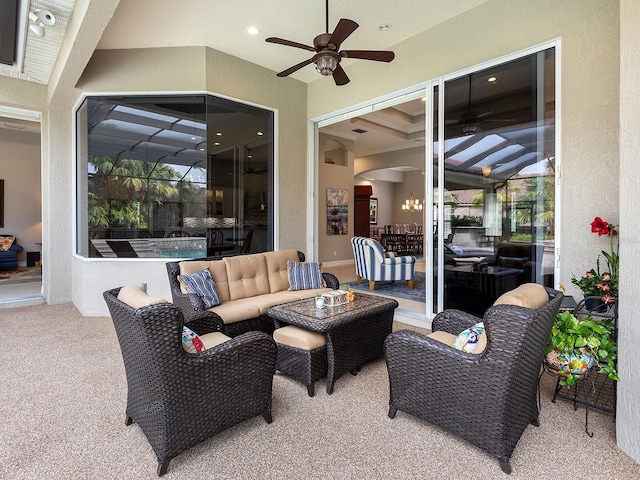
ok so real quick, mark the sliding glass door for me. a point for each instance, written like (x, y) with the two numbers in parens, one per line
(465, 165)
(496, 212)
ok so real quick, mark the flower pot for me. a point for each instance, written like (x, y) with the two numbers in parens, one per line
(568, 363)
(594, 304)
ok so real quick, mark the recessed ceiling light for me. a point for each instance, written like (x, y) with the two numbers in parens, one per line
(219, 134)
(492, 79)
(260, 133)
(252, 30)
(384, 26)
(217, 144)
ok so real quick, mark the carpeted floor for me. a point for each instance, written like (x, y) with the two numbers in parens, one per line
(397, 289)
(62, 404)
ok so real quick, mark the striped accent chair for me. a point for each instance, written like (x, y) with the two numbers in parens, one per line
(374, 264)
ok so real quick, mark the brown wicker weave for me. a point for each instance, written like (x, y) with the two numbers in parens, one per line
(487, 399)
(180, 399)
(192, 306)
(306, 366)
(355, 331)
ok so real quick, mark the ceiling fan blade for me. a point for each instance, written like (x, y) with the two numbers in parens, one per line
(289, 43)
(340, 76)
(295, 68)
(344, 28)
(510, 120)
(377, 55)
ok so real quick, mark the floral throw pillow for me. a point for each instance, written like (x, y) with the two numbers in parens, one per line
(304, 275)
(471, 340)
(5, 243)
(202, 285)
(191, 341)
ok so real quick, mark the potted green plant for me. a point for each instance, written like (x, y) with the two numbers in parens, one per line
(577, 344)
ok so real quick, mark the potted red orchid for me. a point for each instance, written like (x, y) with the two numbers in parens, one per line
(602, 284)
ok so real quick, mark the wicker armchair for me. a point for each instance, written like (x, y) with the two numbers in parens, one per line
(487, 399)
(180, 399)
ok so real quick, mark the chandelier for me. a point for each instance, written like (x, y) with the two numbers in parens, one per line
(412, 204)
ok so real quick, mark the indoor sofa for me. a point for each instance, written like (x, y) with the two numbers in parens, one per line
(9, 257)
(247, 286)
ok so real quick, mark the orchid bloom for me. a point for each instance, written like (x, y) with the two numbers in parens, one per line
(608, 299)
(606, 277)
(588, 274)
(603, 287)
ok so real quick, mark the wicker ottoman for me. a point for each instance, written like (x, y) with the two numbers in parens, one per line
(302, 355)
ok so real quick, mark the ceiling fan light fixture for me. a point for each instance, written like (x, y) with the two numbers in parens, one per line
(469, 128)
(326, 64)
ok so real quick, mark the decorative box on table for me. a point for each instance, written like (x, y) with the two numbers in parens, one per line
(335, 298)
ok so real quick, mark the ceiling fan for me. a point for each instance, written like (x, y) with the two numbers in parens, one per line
(249, 170)
(469, 121)
(327, 51)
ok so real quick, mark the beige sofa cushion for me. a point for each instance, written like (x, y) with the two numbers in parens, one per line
(277, 268)
(299, 338)
(443, 337)
(247, 276)
(236, 310)
(529, 295)
(136, 297)
(263, 302)
(212, 339)
(218, 271)
(302, 294)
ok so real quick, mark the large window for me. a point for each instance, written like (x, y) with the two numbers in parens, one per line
(173, 176)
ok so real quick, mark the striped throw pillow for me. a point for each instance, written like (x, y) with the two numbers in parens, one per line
(202, 285)
(304, 275)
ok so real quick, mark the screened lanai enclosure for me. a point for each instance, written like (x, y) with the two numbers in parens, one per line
(173, 176)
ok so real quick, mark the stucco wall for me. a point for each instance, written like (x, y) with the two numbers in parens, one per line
(589, 63)
(197, 69)
(628, 419)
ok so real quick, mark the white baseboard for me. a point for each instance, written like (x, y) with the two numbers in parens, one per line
(338, 263)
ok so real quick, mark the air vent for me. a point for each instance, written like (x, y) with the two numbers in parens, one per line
(359, 130)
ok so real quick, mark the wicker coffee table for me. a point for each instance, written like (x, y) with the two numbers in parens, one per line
(355, 331)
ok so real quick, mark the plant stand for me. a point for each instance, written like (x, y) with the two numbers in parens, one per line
(593, 390)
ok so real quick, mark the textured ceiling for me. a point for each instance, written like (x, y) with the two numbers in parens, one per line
(221, 25)
(37, 56)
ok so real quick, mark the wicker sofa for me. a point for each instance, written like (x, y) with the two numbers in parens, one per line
(487, 398)
(248, 286)
(180, 399)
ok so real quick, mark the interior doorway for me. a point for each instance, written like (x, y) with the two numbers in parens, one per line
(20, 164)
